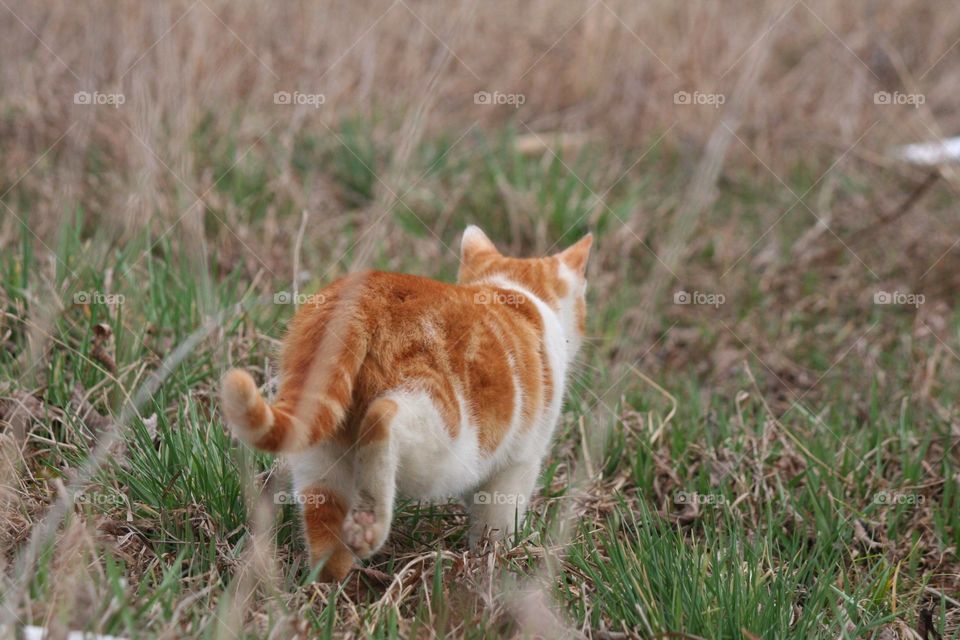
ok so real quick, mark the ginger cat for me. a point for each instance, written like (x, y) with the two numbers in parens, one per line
(392, 382)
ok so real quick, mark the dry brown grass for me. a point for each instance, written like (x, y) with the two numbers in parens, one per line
(605, 68)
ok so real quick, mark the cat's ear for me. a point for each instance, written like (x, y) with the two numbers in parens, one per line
(576, 256)
(475, 242)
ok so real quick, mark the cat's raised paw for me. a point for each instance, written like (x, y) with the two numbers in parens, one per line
(363, 533)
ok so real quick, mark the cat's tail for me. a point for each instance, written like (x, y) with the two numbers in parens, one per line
(248, 414)
(274, 428)
(326, 346)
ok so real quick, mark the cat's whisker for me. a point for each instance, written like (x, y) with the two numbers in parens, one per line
(581, 377)
(583, 363)
(576, 385)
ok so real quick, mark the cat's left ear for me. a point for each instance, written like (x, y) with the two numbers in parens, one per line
(474, 243)
(576, 256)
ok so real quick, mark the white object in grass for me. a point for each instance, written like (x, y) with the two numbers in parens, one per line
(39, 633)
(931, 153)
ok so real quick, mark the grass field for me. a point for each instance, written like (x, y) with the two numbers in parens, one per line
(761, 437)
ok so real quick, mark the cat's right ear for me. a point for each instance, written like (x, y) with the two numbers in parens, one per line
(475, 243)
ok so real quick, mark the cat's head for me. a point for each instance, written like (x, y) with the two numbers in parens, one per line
(559, 280)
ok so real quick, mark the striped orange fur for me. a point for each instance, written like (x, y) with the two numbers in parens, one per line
(382, 368)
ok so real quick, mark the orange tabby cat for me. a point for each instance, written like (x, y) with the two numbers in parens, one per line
(392, 382)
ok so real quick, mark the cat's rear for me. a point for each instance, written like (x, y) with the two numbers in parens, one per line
(394, 381)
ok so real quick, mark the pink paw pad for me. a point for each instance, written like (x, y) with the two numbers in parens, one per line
(363, 533)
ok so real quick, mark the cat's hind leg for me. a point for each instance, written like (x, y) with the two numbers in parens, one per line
(324, 511)
(366, 526)
(498, 506)
(323, 483)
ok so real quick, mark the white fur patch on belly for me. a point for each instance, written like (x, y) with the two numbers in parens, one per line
(433, 464)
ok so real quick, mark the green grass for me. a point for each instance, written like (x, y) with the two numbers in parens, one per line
(772, 552)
